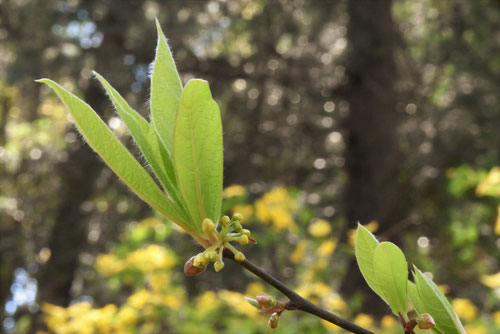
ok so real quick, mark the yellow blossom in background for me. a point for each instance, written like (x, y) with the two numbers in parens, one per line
(330, 327)
(237, 302)
(139, 298)
(159, 280)
(320, 228)
(234, 190)
(54, 315)
(492, 281)
(109, 264)
(496, 317)
(333, 302)
(151, 222)
(254, 289)
(490, 186)
(351, 234)
(327, 247)
(126, 318)
(207, 301)
(464, 308)
(389, 321)
(364, 320)
(151, 258)
(321, 289)
(174, 300)
(477, 329)
(497, 223)
(299, 252)
(444, 288)
(246, 211)
(276, 208)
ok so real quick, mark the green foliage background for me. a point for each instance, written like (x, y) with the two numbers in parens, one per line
(282, 75)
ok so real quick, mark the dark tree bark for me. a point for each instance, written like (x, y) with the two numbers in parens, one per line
(371, 145)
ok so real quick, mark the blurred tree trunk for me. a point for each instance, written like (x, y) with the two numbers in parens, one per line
(371, 145)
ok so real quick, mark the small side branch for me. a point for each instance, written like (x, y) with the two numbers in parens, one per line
(296, 301)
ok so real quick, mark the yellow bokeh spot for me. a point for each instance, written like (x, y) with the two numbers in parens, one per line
(364, 320)
(234, 190)
(497, 223)
(237, 302)
(496, 317)
(139, 298)
(327, 247)
(330, 327)
(444, 288)
(388, 321)
(490, 186)
(320, 228)
(109, 264)
(351, 234)
(151, 222)
(254, 289)
(206, 302)
(151, 258)
(335, 303)
(492, 281)
(477, 329)
(246, 210)
(276, 208)
(465, 309)
(299, 252)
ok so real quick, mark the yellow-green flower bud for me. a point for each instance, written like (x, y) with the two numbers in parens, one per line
(243, 239)
(237, 226)
(211, 256)
(237, 216)
(191, 270)
(225, 220)
(200, 260)
(274, 320)
(240, 257)
(208, 225)
(218, 265)
(246, 232)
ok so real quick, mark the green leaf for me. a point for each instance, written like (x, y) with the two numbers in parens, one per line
(435, 303)
(166, 90)
(198, 151)
(414, 297)
(364, 248)
(146, 138)
(115, 155)
(391, 271)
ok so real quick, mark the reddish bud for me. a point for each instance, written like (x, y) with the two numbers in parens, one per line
(191, 270)
(274, 320)
(265, 300)
(425, 321)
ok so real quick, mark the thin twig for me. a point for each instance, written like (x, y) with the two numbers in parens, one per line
(296, 301)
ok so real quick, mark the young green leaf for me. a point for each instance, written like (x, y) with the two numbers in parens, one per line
(115, 155)
(166, 90)
(198, 151)
(364, 248)
(434, 302)
(414, 297)
(146, 138)
(391, 271)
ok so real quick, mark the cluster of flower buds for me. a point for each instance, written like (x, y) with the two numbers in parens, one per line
(268, 304)
(226, 231)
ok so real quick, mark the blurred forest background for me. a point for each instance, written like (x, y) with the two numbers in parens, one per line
(383, 112)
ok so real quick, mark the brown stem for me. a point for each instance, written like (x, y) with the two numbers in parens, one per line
(296, 301)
